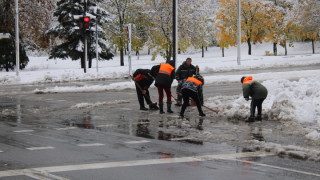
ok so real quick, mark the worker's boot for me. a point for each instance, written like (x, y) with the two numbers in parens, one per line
(161, 108)
(169, 107)
(258, 118)
(250, 119)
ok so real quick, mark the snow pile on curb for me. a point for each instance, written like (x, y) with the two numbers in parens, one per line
(287, 101)
(289, 150)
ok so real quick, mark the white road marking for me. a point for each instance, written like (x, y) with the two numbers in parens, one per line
(278, 167)
(54, 169)
(1, 151)
(24, 131)
(93, 144)
(43, 175)
(40, 148)
(66, 128)
(137, 142)
(232, 157)
(107, 125)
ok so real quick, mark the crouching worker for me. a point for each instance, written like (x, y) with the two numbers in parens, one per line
(143, 81)
(192, 88)
(258, 94)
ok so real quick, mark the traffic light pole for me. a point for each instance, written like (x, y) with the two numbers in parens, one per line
(85, 53)
(85, 42)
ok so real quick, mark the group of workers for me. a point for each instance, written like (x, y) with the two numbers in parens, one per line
(190, 84)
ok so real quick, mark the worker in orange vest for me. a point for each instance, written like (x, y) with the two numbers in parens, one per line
(258, 94)
(192, 88)
(143, 80)
(164, 75)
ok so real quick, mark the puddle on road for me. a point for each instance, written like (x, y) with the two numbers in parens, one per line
(168, 128)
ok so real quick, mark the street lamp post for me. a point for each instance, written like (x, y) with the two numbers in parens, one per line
(17, 37)
(175, 30)
(239, 33)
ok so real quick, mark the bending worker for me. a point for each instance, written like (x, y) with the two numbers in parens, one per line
(143, 80)
(258, 94)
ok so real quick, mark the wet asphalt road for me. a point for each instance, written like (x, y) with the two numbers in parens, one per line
(44, 136)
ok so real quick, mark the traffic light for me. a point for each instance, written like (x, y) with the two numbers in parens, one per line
(86, 22)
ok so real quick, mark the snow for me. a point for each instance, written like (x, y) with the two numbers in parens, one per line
(294, 96)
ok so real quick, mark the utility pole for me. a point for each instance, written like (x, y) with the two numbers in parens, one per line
(17, 38)
(129, 46)
(239, 33)
(175, 31)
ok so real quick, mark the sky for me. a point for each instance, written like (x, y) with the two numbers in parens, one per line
(294, 97)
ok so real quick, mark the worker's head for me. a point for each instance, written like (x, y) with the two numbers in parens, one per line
(171, 62)
(242, 79)
(188, 61)
(246, 79)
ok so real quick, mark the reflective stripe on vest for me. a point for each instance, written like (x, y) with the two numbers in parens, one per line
(248, 80)
(166, 69)
(195, 80)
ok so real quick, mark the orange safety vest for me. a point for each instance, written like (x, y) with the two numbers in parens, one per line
(248, 80)
(139, 77)
(166, 69)
(195, 80)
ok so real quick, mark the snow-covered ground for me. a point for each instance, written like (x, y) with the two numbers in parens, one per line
(288, 101)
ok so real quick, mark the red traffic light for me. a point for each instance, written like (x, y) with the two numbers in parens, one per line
(86, 22)
(86, 19)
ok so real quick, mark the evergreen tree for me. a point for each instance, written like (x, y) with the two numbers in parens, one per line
(68, 31)
(7, 45)
(8, 55)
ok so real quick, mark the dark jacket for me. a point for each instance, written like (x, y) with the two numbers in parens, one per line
(253, 89)
(184, 71)
(185, 84)
(162, 79)
(143, 78)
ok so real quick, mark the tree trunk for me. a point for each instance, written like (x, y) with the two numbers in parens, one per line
(249, 46)
(138, 55)
(90, 62)
(312, 41)
(222, 52)
(121, 57)
(285, 48)
(148, 51)
(202, 50)
(275, 50)
(82, 62)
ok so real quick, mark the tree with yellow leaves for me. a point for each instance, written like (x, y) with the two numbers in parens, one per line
(309, 21)
(282, 25)
(256, 18)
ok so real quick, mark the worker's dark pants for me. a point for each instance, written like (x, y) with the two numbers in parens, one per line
(186, 94)
(141, 97)
(256, 103)
(160, 92)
